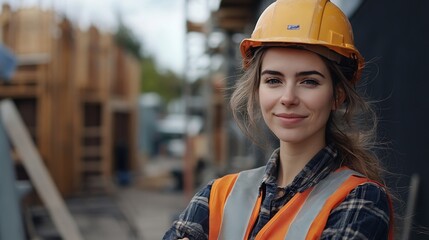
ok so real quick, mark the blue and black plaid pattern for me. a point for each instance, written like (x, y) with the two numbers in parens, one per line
(364, 214)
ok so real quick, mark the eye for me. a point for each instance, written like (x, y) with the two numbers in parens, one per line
(310, 82)
(272, 81)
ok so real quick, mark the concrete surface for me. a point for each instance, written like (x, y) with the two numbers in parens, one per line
(142, 211)
(129, 214)
(150, 212)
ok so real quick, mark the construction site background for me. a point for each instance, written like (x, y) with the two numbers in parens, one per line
(125, 162)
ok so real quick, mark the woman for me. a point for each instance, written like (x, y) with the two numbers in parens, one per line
(323, 182)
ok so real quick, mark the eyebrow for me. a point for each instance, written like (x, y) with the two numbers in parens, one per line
(306, 73)
(299, 74)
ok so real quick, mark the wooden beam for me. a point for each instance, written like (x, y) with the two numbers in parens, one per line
(195, 27)
(37, 171)
(33, 58)
(233, 12)
(19, 91)
(236, 25)
(233, 16)
(226, 3)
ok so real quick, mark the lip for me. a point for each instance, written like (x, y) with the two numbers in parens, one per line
(289, 115)
(290, 118)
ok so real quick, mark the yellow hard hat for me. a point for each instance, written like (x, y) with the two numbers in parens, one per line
(309, 24)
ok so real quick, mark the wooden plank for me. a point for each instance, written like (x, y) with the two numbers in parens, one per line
(106, 150)
(91, 151)
(37, 171)
(81, 65)
(63, 97)
(92, 132)
(18, 91)
(33, 30)
(120, 105)
(33, 59)
(78, 121)
(106, 62)
(93, 167)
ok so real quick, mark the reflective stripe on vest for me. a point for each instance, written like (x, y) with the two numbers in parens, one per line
(237, 211)
(239, 205)
(315, 201)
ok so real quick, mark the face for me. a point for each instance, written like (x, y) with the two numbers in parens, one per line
(295, 95)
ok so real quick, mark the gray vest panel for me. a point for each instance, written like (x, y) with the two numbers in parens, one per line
(239, 204)
(314, 203)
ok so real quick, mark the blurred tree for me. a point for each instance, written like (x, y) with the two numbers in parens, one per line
(165, 83)
(125, 38)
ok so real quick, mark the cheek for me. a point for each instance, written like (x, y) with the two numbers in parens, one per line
(266, 99)
(322, 103)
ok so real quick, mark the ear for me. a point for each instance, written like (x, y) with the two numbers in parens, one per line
(340, 97)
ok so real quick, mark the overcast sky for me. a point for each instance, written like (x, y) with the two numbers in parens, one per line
(159, 24)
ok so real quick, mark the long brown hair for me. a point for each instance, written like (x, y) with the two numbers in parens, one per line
(352, 127)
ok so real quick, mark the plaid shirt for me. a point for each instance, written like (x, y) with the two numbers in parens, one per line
(364, 214)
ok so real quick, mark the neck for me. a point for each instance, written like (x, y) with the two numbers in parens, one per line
(294, 157)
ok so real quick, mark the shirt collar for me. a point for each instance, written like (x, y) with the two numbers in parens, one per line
(315, 170)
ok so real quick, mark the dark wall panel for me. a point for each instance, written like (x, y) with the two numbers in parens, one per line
(393, 36)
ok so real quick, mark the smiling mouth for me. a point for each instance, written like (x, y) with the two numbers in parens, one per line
(289, 115)
(290, 119)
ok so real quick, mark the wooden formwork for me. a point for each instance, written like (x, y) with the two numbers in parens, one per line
(24, 33)
(63, 93)
(93, 123)
(63, 88)
(124, 91)
(28, 34)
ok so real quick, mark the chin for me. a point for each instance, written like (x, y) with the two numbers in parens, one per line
(290, 138)
(299, 136)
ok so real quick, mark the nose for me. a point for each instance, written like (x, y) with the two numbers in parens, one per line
(289, 97)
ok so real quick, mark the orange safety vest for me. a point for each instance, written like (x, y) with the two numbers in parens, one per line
(235, 201)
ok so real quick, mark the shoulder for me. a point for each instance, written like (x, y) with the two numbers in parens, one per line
(364, 213)
(204, 192)
(370, 191)
(193, 221)
(368, 196)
